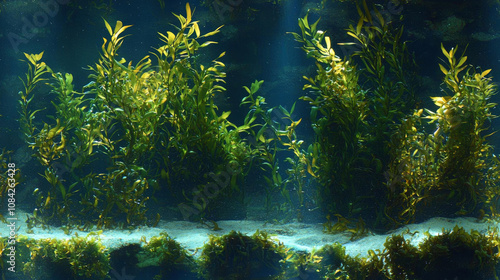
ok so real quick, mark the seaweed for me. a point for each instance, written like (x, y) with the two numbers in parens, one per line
(237, 256)
(75, 258)
(174, 261)
(273, 137)
(452, 168)
(454, 253)
(133, 128)
(371, 144)
(344, 225)
(352, 124)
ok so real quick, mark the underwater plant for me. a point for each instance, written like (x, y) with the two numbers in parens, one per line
(147, 125)
(357, 230)
(317, 264)
(273, 137)
(178, 126)
(388, 70)
(338, 116)
(3, 245)
(174, 261)
(303, 265)
(75, 258)
(454, 253)
(453, 169)
(462, 125)
(371, 145)
(352, 124)
(265, 143)
(356, 268)
(237, 256)
(82, 131)
(413, 169)
(331, 262)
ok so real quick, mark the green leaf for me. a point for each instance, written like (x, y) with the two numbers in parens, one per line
(293, 107)
(188, 13)
(444, 51)
(284, 111)
(462, 61)
(313, 26)
(196, 29)
(30, 58)
(149, 114)
(108, 27)
(305, 21)
(443, 69)
(72, 186)
(63, 191)
(207, 43)
(118, 26)
(224, 115)
(256, 86)
(213, 32)
(261, 131)
(367, 12)
(242, 128)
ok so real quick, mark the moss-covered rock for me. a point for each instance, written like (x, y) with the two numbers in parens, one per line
(174, 261)
(238, 256)
(453, 254)
(75, 258)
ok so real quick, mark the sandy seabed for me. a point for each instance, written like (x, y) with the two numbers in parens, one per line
(298, 236)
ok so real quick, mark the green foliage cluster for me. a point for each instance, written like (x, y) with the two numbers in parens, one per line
(451, 169)
(150, 126)
(275, 136)
(353, 125)
(449, 255)
(237, 256)
(71, 141)
(174, 261)
(413, 164)
(139, 128)
(389, 73)
(3, 245)
(357, 230)
(356, 268)
(372, 147)
(266, 148)
(462, 119)
(145, 124)
(317, 264)
(75, 258)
